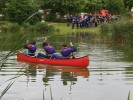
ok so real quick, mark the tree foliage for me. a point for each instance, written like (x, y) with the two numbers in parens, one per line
(115, 6)
(19, 10)
(128, 4)
(93, 6)
(63, 6)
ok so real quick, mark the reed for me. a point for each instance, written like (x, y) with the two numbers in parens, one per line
(4, 43)
(119, 31)
(128, 96)
(11, 52)
(43, 95)
(51, 93)
(3, 60)
(16, 76)
(11, 83)
(6, 89)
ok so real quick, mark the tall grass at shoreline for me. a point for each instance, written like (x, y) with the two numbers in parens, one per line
(14, 27)
(120, 31)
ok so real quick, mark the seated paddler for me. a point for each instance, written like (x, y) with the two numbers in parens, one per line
(49, 50)
(66, 52)
(31, 48)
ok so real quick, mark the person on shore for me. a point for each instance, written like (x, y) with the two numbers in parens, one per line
(74, 22)
(31, 48)
(48, 50)
(68, 19)
(66, 52)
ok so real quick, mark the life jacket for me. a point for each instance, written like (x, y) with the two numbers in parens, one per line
(49, 49)
(66, 52)
(32, 48)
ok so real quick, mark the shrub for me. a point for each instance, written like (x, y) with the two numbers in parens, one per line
(51, 28)
(41, 27)
(27, 27)
(105, 29)
(122, 30)
(14, 27)
(10, 27)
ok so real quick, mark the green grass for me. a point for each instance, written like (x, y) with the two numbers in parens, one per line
(63, 28)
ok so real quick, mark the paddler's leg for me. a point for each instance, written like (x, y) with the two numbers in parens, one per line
(56, 56)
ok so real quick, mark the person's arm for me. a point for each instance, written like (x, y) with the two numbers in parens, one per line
(26, 45)
(71, 44)
(45, 39)
(27, 42)
(73, 48)
(44, 42)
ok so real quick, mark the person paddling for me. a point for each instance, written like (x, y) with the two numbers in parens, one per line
(47, 48)
(66, 52)
(31, 48)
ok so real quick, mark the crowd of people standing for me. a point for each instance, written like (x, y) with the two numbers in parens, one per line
(88, 20)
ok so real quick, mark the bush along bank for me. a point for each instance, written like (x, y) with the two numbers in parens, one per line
(42, 27)
(120, 32)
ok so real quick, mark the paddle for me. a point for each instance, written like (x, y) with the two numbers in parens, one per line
(70, 40)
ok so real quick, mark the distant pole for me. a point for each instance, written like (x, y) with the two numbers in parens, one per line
(1, 15)
(132, 12)
(44, 13)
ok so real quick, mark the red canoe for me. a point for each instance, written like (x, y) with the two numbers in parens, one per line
(76, 62)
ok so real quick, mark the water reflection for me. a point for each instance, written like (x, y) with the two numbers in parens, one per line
(67, 73)
(111, 74)
(128, 74)
(78, 35)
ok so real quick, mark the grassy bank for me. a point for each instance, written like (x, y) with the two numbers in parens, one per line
(8, 27)
(64, 29)
(47, 27)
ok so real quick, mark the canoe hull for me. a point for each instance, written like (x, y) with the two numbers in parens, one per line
(76, 62)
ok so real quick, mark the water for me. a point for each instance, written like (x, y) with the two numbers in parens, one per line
(108, 77)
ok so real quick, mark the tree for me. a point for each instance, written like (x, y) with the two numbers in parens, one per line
(3, 6)
(93, 6)
(63, 6)
(115, 6)
(19, 10)
(128, 4)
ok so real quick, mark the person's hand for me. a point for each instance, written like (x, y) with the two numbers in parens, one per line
(45, 39)
(27, 41)
(71, 44)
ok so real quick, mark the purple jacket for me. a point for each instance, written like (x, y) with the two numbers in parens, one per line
(66, 52)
